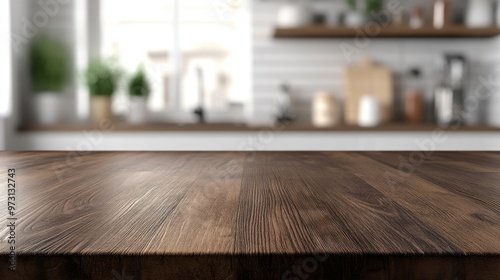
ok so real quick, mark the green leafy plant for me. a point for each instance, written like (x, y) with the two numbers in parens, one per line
(49, 64)
(102, 77)
(368, 5)
(373, 5)
(352, 4)
(138, 85)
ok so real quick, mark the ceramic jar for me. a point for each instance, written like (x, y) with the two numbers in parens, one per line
(326, 110)
(294, 15)
(369, 113)
(479, 13)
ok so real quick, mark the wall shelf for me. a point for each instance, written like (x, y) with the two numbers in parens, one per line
(321, 31)
(221, 127)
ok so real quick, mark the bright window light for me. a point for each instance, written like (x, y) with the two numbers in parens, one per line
(176, 41)
(6, 60)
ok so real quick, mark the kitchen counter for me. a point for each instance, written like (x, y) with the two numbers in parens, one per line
(229, 127)
(235, 215)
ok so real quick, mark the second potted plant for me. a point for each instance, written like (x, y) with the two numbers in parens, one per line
(360, 11)
(102, 78)
(138, 89)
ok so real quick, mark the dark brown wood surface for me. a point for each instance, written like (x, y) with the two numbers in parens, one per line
(320, 31)
(235, 215)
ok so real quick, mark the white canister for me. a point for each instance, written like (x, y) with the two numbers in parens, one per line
(326, 110)
(479, 13)
(369, 111)
(294, 15)
(354, 19)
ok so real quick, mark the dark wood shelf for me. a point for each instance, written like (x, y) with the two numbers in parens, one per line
(222, 127)
(321, 31)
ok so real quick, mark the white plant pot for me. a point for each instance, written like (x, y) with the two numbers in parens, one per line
(494, 111)
(138, 113)
(479, 13)
(294, 15)
(354, 19)
(46, 108)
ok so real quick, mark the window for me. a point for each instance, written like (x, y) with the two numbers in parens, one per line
(5, 57)
(187, 48)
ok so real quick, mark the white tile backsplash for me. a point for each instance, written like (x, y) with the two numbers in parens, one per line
(315, 64)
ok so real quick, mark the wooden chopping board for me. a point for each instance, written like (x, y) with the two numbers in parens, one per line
(368, 79)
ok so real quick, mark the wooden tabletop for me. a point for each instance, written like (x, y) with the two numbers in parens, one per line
(265, 203)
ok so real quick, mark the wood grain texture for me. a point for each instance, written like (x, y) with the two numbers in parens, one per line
(243, 215)
(320, 31)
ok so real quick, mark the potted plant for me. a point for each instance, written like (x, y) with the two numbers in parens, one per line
(295, 13)
(102, 78)
(360, 11)
(49, 60)
(139, 90)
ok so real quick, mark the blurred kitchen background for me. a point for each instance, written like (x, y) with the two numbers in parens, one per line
(249, 75)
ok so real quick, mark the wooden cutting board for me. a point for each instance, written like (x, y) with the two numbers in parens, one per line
(368, 79)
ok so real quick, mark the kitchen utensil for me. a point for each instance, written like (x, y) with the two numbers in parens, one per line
(284, 113)
(368, 79)
(449, 94)
(326, 110)
(414, 98)
(414, 106)
(369, 111)
(479, 13)
(443, 100)
(200, 110)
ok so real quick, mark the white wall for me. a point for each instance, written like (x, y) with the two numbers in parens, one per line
(2, 135)
(5, 69)
(314, 64)
(29, 19)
